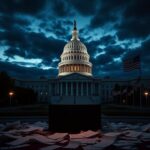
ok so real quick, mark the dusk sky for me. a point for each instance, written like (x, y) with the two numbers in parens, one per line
(33, 34)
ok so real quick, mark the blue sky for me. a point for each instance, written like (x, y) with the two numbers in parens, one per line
(34, 33)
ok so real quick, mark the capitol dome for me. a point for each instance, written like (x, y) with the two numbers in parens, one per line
(75, 58)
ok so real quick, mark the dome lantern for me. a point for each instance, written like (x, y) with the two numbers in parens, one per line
(75, 32)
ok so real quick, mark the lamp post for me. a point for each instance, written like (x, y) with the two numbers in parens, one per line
(10, 96)
(146, 94)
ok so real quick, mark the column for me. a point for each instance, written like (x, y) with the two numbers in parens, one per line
(77, 89)
(71, 88)
(87, 89)
(57, 88)
(66, 88)
(92, 89)
(81, 88)
(61, 89)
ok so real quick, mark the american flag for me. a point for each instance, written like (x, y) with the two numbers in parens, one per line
(132, 63)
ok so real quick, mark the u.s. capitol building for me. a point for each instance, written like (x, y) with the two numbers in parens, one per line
(75, 83)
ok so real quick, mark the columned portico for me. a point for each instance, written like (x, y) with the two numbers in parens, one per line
(76, 88)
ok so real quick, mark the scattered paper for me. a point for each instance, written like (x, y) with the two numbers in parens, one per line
(15, 147)
(146, 128)
(87, 140)
(131, 133)
(86, 134)
(56, 136)
(52, 147)
(17, 135)
(72, 145)
(114, 134)
(105, 142)
(20, 141)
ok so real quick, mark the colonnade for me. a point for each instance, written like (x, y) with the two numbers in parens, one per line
(75, 68)
(74, 88)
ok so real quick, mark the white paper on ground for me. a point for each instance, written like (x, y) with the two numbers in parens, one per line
(145, 136)
(36, 137)
(14, 147)
(105, 141)
(42, 139)
(91, 147)
(20, 141)
(122, 143)
(113, 134)
(56, 136)
(86, 134)
(8, 135)
(146, 128)
(31, 129)
(86, 140)
(63, 141)
(132, 133)
(76, 136)
(52, 147)
(72, 145)
(90, 133)
(127, 138)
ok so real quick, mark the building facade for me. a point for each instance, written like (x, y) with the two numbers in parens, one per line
(75, 83)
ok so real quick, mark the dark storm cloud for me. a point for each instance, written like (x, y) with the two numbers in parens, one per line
(103, 59)
(32, 45)
(113, 66)
(114, 51)
(23, 72)
(61, 28)
(92, 47)
(60, 8)
(21, 6)
(107, 12)
(11, 52)
(107, 40)
(8, 22)
(129, 19)
(136, 20)
(111, 52)
(84, 7)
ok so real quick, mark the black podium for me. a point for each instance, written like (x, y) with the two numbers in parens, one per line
(74, 118)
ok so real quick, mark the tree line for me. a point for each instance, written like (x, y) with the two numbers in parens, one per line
(13, 95)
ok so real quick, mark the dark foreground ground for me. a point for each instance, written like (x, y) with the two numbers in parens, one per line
(31, 133)
(106, 109)
(26, 128)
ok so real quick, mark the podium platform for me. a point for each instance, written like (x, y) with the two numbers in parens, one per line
(74, 118)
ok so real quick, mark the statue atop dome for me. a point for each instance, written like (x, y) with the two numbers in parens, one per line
(75, 32)
(75, 25)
